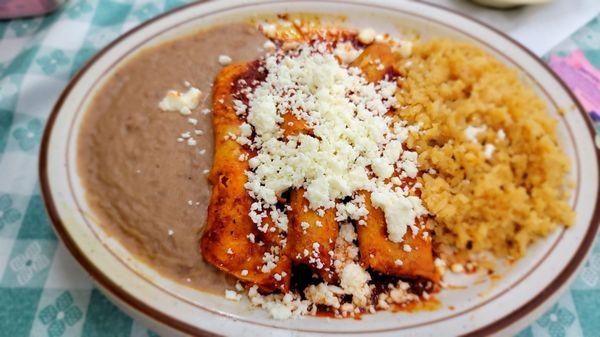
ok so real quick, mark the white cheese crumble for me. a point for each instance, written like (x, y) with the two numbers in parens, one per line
(323, 294)
(346, 52)
(471, 132)
(238, 286)
(270, 260)
(354, 209)
(224, 60)
(406, 48)
(347, 233)
(269, 29)
(366, 35)
(488, 151)
(400, 212)
(457, 268)
(269, 45)
(232, 295)
(183, 103)
(351, 136)
(354, 280)
(501, 134)
(279, 306)
(400, 294)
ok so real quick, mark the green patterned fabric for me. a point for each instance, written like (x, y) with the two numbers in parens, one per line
(42, 290)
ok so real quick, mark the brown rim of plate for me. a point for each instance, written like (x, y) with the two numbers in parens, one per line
(172, 322)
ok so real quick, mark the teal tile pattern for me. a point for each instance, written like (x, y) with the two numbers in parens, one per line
(587, 303)
(36, 297)
(109, 322)
(17, 311)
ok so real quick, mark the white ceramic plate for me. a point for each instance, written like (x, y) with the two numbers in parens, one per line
(482, 309)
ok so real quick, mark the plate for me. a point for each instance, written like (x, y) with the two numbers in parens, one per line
(500, 306)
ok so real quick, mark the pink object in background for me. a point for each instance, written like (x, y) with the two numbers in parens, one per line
(10, 9)
(580, 76)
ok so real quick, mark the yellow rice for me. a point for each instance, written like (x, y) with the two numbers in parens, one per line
(500, 204)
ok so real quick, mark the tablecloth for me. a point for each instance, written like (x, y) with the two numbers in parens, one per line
(43, 292)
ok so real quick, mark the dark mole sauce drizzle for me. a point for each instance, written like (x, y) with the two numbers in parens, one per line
(249, 80)
(303, 276)
(417, 285)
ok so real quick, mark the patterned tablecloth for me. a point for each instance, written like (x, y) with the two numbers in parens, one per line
(42, 290)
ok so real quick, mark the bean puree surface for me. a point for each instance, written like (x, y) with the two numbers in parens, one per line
(139, 180)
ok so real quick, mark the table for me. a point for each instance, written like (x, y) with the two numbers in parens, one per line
(43, 292)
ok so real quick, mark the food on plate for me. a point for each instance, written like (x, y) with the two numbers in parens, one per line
(231, 239)
(349, 169)
(145, 168)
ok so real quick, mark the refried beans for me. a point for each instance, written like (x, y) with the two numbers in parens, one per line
(148, 190)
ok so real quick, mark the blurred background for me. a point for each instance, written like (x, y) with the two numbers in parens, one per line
(43, 292)
(539, 26)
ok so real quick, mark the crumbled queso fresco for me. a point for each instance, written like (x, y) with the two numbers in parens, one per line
(183, 103)
(354, 145)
